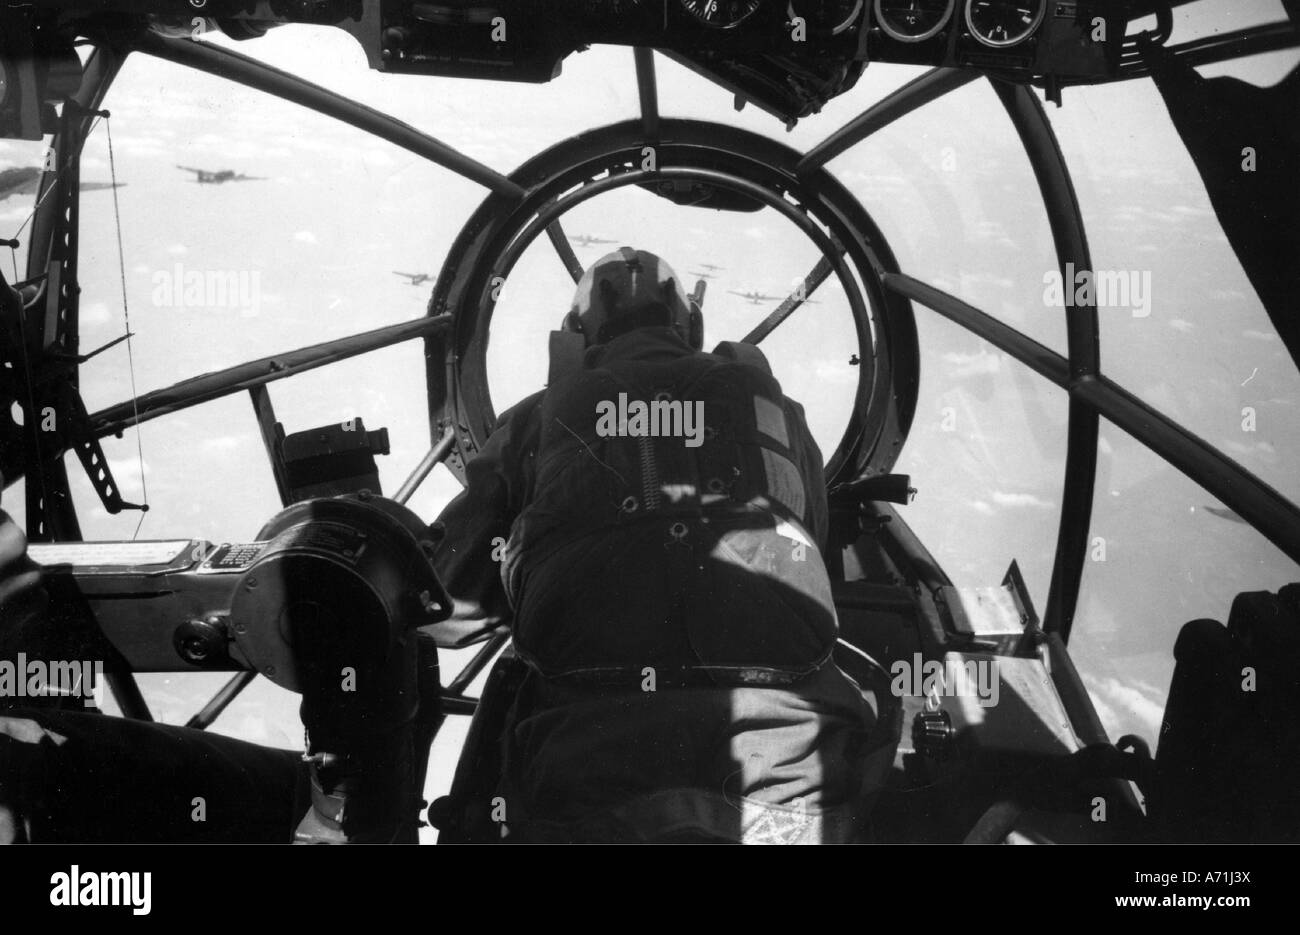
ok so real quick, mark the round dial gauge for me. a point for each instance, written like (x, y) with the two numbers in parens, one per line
(826, 16)
(913, 20)
(721, 14)
(1002, 23)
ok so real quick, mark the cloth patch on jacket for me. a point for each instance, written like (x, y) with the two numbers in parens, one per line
(784, 483)
(770, 420)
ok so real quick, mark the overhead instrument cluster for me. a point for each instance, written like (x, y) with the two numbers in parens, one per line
(1047, 38)
(787, 56)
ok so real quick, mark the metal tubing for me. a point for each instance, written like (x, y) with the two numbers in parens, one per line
(221, 700)
(241, 377)
(233, 66)
(915, 94)
(436, 455)
(1053, 175)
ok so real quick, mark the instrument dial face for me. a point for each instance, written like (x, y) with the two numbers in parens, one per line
(913, 20)
(1003, 23)
(721, 14)
(826, 16)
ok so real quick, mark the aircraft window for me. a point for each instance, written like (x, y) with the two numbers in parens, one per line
(1162, 552)
(1199, 345)
(986, 455)
(497, 122)
(952, 189)
(750, 264)
(21, 165)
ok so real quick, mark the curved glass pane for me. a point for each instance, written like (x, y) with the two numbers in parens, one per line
(749, 264)
(1163, 552)
(1199, 346)
(954, 193)
(986, 454)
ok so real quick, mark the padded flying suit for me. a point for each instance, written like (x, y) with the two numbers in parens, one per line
(690, 551)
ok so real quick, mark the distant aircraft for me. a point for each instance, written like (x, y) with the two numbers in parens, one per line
(24, 179)
(754, 298)
(711, 267)
(703, 275)
(417, 279)
(586, 240)
(211, 177)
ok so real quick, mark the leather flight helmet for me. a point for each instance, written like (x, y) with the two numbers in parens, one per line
(630, 289)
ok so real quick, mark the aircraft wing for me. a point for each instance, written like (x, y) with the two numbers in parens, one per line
(1224, 513)
(194, 170)
(99, 186)
(19, 180)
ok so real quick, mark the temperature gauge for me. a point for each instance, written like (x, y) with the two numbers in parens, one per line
(1003, 23)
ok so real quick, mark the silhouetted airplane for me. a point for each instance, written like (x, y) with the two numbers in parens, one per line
(710, 266)
(417, 279)
(754, 298)
(703, 275)
(210, 177)
(24, 179)
(586, 240)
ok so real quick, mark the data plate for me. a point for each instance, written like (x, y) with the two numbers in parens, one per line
(232, 557)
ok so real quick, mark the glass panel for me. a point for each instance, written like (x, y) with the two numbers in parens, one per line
(1163, 552)
(762, 256)
(953, 191)
(303, 250)
(986, 454)
(21, 165)
(500, 123)
(1200, 347)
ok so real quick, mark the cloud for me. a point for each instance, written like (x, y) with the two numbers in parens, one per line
(979, 506)
(969, 365)
(1259, 335)
(1002, 498)
(836, 371)
(224, 443)
(305, 237)
(178, 249)
(128, 468)
(96, 313)
(1119, 705)
(1179, 324)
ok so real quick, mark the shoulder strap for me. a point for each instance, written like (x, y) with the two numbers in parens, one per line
(566, 351)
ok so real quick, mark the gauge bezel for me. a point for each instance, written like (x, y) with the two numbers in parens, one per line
(847, 24)
(904, 37)
(1009, 43)
(758, 5)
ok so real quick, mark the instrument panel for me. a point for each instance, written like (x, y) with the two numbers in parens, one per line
(1046, 39)
(1037, 38)
(787, 56)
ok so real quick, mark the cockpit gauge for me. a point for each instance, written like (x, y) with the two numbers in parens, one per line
(827, 17)
(721, 14)
(1003, 23)
(913, 20)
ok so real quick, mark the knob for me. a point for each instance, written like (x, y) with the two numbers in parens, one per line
(201, 642)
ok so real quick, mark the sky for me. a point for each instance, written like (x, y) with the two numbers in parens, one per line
(315, 239)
